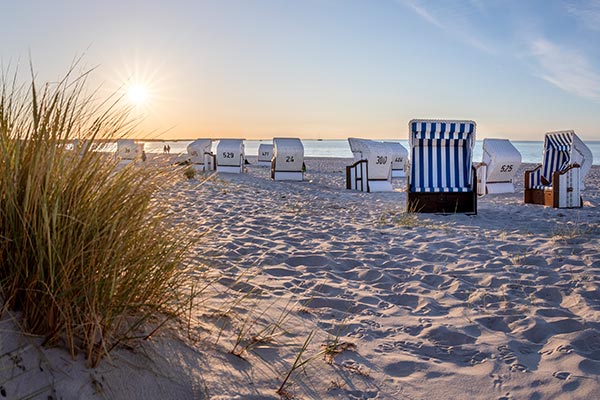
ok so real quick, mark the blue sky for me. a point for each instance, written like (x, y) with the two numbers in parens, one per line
(326, 68)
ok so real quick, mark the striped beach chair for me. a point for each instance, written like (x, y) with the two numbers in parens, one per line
(442, 178)
(559, 180)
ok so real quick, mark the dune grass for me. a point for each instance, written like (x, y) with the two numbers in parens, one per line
(87, 253)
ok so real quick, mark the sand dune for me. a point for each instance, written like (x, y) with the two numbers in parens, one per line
(502, 305)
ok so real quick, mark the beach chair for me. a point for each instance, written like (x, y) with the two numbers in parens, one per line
(265, 155)
(230, 156)
(441, 178)
(288, 160)
(499, 164)
(372, 167)
(200, 154)
(399, 159)
(559, 180)
(80, 146)
(128, 150)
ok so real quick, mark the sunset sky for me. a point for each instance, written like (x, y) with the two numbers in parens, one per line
(324, 68)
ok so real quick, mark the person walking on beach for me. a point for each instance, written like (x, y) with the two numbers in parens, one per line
(168, 149)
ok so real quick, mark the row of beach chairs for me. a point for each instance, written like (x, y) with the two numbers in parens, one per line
(285, 157)
(441, 175)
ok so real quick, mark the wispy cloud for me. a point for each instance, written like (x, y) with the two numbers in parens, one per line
(586, 11)
(566, 68)
(424, 14)
(456, 12)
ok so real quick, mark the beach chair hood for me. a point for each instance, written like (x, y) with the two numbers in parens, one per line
(265, 153)
(197, 149)
(500, 162)
(230, 155)
(562, 148)
(127, 149)
(288, 154)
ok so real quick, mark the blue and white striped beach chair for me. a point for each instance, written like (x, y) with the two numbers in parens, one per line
(559, 180)
(441, 178)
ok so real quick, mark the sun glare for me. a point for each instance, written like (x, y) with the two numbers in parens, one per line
(137, 94)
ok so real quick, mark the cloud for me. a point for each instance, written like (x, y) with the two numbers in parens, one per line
(456, 12)
(586, 11)
(424, 14)
(566, 68)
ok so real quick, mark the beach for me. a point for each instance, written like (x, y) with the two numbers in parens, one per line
(369, 302)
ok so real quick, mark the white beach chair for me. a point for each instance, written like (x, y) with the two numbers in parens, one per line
(559, 180)
(499, 164)
(441, 177)
(399, 159)
(265, 155)
(372, 168)
(200, 155)
(128, 150)
(230, 156)
(81, 146)
(288, 160)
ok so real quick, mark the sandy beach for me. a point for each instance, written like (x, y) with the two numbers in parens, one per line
(379, 303)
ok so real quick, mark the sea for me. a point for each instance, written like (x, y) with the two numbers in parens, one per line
(531, 151)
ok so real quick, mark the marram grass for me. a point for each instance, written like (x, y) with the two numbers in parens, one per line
(87, 252)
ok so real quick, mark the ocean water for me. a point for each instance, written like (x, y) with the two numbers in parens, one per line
(531, 151)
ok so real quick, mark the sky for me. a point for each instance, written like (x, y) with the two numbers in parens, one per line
(323, 69)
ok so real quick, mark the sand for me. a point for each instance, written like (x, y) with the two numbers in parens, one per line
(501, 305)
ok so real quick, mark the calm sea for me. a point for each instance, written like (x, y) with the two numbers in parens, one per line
(531, 152)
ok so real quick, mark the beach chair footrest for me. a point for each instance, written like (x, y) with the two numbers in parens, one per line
(447, 203)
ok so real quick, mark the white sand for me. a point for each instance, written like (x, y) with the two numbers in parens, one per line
(502, 305)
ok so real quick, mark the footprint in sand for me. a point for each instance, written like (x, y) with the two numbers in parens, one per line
(562, 375)
(402, 369)
(509, 357)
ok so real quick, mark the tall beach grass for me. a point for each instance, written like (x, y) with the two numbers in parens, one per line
(88, 254)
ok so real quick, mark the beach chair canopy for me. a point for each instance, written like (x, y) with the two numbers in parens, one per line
(379, 156)
(288, 155)
(502, 160)
(399, 155)
(265, 153)
(358, 147)
(197, 149)
(561, 149)
(127, 149)
(441, 155)
(230, 153)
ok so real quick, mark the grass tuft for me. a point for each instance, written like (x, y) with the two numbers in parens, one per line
(87, 252)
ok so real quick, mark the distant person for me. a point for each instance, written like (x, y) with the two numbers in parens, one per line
(168, 149)
(144, 155)
(165, 149)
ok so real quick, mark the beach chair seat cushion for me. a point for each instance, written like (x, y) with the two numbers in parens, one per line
(442, 189)
(441, 166)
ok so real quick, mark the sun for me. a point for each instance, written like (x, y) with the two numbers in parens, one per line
(137, 94)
